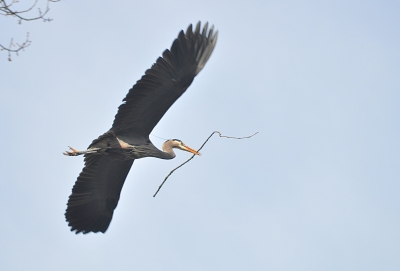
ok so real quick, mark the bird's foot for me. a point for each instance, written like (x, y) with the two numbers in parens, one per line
(75, 152)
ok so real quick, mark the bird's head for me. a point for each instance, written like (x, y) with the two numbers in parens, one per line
(177, 144)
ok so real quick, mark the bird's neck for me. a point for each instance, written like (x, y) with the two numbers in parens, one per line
(167, 154)
(167, 150)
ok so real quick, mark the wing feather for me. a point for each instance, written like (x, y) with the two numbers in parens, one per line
(167, 79)
(96, 193)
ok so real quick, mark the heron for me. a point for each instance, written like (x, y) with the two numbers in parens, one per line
(109, 158)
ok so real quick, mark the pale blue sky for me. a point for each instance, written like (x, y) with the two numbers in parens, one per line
(317, 188)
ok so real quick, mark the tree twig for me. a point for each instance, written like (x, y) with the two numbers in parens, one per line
(20, 47)
(5, 9)
(215, 132)
(9, 9)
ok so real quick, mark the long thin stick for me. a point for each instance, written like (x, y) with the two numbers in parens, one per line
(215, 132)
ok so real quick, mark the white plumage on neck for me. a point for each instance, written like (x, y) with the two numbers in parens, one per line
(168, 146)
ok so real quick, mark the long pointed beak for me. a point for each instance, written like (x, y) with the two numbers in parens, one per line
(189, 149)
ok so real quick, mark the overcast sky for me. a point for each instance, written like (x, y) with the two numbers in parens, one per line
(317, 189)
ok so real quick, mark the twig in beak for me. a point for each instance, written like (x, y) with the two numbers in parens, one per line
(216, 132)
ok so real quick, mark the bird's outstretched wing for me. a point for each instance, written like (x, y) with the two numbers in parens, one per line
(96, 193)
(149, 99)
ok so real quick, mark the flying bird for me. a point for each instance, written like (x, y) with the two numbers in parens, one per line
(109, 158)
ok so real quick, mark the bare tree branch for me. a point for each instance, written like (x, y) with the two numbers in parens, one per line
(20, 47)
(216, 132)
(5, 10)
(22, 15)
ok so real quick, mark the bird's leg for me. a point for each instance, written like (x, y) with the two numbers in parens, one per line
(75, 152)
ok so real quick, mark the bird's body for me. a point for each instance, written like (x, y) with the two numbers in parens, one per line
(109, 158)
